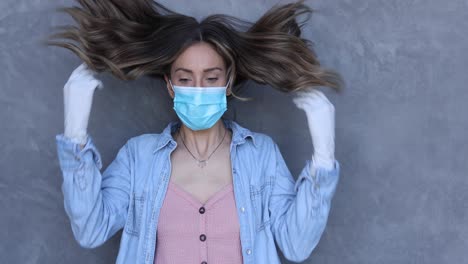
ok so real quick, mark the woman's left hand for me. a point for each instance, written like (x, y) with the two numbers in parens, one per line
(321, 120)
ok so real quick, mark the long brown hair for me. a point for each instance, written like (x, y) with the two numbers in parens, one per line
(142, 37)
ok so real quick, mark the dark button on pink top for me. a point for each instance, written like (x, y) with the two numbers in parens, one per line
(191, 232)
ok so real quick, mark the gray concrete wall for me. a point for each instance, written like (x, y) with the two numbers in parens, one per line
(401, 128)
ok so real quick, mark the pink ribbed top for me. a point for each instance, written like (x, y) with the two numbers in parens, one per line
(191, 232)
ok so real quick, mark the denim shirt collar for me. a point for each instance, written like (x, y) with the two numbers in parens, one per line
(239, 134)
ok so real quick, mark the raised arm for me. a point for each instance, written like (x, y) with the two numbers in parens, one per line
(299, 210)
(95, 203)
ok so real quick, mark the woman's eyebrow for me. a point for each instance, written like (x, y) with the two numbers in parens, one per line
(212, 69)
(205, 70)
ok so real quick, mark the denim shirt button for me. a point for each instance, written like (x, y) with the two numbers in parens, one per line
(242, 209)
(249, 251)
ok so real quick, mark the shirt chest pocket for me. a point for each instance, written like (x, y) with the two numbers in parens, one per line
(259, 196)
(135, 213)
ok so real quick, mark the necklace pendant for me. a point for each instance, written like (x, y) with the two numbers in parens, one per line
(202, 163)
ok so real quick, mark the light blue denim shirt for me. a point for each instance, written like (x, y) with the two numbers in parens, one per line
(129, 193)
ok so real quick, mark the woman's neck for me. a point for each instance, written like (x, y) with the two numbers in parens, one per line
(202, 142)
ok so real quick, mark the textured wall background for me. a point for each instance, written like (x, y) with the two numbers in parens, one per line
(400, 128)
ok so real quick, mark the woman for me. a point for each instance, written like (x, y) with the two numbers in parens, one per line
(205, 189)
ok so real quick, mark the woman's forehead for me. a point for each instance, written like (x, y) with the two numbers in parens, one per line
(199, 57)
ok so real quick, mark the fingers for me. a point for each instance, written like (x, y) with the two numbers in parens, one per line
(313, 95)
(83, 74)
(84, 68)
(99, 85)
(324, 98)
(82, 71)
(303, 97)
(311, 99)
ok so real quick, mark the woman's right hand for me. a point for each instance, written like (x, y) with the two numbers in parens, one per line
(78, 97)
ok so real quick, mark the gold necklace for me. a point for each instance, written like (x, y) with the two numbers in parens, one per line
(202, 163)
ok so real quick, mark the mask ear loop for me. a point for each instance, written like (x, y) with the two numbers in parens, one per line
(172, 86)
(227, 85)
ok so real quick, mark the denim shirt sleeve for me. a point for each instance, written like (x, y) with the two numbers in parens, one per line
(299, 209)
(95, 203)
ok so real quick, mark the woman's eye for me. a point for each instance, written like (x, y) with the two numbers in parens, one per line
(213, 79)
(183, 80)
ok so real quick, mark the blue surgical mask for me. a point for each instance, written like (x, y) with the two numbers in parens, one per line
(199, 108)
